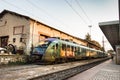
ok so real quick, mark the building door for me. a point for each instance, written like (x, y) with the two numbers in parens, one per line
(4, 41)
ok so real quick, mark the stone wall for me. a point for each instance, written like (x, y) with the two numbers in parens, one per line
(6, 59)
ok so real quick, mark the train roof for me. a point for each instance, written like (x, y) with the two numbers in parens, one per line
(65, 41)
(70, 43)
(51, 39)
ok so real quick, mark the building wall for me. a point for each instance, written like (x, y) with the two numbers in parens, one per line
(55, 33)
(80, 41)
(39, 31)
(13, 28)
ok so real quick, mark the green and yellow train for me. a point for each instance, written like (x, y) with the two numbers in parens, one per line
(57, 50)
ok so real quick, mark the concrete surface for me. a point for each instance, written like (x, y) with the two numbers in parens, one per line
(104, 71)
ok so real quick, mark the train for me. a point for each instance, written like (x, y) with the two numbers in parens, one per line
(59, 50)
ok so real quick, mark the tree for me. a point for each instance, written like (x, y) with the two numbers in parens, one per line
(96, 43)
(102, 49)
(88, 37)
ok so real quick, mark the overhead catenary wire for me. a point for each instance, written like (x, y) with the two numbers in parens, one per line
(27, 11)
(17, 7)
(83, 10)
(49, 14)
(22, 9)
(76, 12)
(36, 17)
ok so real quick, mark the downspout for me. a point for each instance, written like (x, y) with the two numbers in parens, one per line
(32, 36)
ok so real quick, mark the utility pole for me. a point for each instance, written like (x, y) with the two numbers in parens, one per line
(103, 42)
(90, 37)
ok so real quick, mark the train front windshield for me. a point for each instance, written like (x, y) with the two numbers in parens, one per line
(41, 47)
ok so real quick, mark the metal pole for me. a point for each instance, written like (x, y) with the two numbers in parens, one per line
(103, 43)
(90, 38)
(90, 29)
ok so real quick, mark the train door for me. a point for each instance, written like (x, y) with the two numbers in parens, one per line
(56, 50)
(63, 51)
(68, 51)
(79, 51)
(83, 52)
(74, 50)
(80, 54)
(88, 52)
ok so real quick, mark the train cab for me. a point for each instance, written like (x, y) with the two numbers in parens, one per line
(45, 49)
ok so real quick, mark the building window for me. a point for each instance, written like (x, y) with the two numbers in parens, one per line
(14, 40)
(18, 30)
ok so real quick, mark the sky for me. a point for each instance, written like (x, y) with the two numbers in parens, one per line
(71, 16)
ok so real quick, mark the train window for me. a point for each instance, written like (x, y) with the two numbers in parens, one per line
(83, 50)
(76, 49)
(80, 50)
(43, 43)
(68, 47)
(72, 48)
(63, 46)
(56, 46)
(53, 47)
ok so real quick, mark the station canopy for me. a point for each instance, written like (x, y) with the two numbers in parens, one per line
(111, 30)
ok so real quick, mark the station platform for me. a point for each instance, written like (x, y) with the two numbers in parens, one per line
(47, 72)
(107, 70)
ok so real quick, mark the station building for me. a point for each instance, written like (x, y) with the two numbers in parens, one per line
(24, 32)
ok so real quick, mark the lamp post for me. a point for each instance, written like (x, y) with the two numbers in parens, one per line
(90, 26)
(89, 37)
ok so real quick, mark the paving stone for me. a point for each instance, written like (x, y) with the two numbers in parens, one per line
(109, 72)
